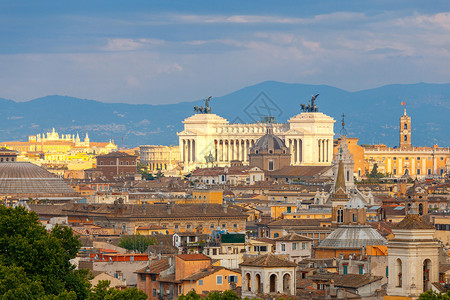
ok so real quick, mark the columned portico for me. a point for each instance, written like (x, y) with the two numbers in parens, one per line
(308, 135)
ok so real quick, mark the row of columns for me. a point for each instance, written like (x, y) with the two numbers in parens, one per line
(228, 150)
(188, 150)
(324, 150)
(296, 148)
(157, 166)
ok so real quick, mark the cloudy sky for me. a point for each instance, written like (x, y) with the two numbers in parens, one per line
(171, 51)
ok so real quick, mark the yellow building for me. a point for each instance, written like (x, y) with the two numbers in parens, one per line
(206, 196)
(151, 229)
(277, 210)
(307, 214)
(417, 162)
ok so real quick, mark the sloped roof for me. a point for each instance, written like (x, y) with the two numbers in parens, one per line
(268, 260)
(193, 257)
(347, 280)
(293, 237)
(299, 171)
(155, 267)
(204, 273)
(116, 154)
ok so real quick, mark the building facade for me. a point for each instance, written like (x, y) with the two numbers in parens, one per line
(159, 158)
(117, 164)
(211, 139)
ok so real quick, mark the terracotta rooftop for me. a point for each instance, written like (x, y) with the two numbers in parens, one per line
(293, 237)
(299, 171)
(203, 273)
(155, 267)
(412, 221)
(116, 154)
(347, 280)
(193, 257)
(268, 260)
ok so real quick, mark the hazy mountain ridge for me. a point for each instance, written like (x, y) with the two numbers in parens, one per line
(372, 115)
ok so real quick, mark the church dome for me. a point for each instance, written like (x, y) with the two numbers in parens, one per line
(352, 237)
(24, 179)
(269, 141)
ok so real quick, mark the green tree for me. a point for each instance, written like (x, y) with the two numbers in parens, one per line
(432, 295)
(28, 251)
(374, 171)
(137, 242)
(102, 291)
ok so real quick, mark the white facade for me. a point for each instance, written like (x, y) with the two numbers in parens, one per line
(413, 262)
(266, 280)
(309, 137)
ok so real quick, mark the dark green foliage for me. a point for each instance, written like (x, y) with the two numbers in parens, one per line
(102, 292)
(432, 295)
(137, 243)
(40, 256)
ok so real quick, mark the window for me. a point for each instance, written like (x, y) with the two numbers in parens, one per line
(224, 225)
(121, 163)
(345, 267)
(304, 245)
(429, 171)
(232, 278)
(418, 158)
(219, 279)
(405, 138)
(211, 226)
(235, 226)
(395, 171)
(283, 247)
(128, 163)
(406, 158)
(270, 165)
(176, 226)
(154, 292)
(418, 171)
(394, 158)
(294, 246)
(441, 158)
(289, 209)
(188, 226)
(405, 126)
(275, 235)
(112, 163)
(143, 277)
(200, 282)
(101, 163)
(361, 269)
(153, 277)
(354, 218)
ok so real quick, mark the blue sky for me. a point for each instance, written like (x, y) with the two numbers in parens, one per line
(171, 51)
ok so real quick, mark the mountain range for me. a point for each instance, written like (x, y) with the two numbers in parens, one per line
(371, 115)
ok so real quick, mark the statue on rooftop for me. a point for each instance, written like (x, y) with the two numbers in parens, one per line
(310, 107)
(204, 110)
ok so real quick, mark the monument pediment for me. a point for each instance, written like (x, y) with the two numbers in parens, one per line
(296, 131)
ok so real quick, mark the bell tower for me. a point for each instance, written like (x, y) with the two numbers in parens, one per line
(405, 131)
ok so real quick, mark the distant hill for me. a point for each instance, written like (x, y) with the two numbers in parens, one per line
(372, 115)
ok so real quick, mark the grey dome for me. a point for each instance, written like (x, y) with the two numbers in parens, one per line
(269, 141)
(25, 179)
(353, 237)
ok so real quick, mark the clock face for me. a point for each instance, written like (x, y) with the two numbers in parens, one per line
(405, 131)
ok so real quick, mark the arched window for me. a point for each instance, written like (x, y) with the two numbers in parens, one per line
(273, 283)
(286, 283)
(248, 280)
(398, 272)
(340, 215)
(258, 289)
(426, 275)
(405, 126)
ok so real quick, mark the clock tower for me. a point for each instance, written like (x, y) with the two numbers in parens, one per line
(405, 131)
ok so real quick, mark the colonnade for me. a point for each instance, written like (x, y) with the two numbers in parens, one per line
(232, 149)
(296, 148)
(187, 151)
(324, 151)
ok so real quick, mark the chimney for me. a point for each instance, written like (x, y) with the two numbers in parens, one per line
(225, 207)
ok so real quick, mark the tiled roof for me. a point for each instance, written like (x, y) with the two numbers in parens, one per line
(298, 222)
(268, 260)
(413, 222)
(116, 154)
(187, 211)
(193, 257)
(299, 171)
(265, 240)
(293, 237)
(203, 273)
(156, 267)
(347, 280)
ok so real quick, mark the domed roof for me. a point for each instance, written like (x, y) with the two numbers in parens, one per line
(353, 237)
(24, 179)
(269, 141)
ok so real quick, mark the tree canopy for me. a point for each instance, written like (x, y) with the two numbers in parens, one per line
(35, 264)
(137, 243)
(432, 295)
